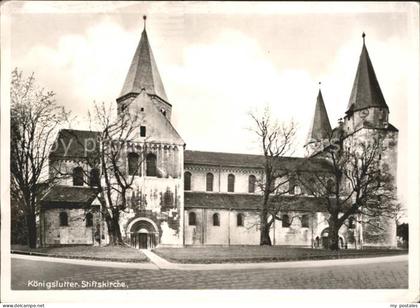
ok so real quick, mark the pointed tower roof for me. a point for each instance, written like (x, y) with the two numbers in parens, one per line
(320, 128)
(366, 91)
(143, 72)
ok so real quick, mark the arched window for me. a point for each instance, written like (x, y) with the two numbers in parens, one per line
(78, 176)
(133, 164)
(209, 182)
(297, 190)
(64, 220)
(151, 165)
(187, 180)
(192, 219)
(292, 184)
(240, 220)
(330, 186)
(231, 183)
(94, 177)
(89, 220)
(216, 219)
(285, 221)
(305, 221)
(352, 223)
(251, 183)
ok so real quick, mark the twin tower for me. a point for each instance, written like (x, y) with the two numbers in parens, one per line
(366, 115)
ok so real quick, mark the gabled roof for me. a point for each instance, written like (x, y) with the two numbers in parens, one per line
(366, 91)
(72, 143)
(159, 128)
(250, 201)
(61, 195)
(253, 161)
(143, 72)
(321, 127)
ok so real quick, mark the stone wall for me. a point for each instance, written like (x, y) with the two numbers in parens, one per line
(229, 233)
(75, 233)
(220, 178)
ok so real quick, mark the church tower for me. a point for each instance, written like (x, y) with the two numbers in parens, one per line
(367, 118)
(320, 130)
(155, 216)
(367, 106)
(143, 75)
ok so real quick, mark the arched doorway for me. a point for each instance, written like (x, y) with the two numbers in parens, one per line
(143, 234)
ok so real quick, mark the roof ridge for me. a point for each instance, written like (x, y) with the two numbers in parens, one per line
(247, 154)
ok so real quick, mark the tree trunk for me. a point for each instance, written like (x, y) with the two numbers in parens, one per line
(334, 226)
(265, 239)
(265, 229)
(31, 225)
(114, 229)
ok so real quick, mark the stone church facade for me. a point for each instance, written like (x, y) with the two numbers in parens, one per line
(182, 197)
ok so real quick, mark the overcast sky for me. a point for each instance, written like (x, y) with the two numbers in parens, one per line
(218, 61)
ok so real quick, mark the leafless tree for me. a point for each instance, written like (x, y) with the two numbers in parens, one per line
(275, 141)
(107, 152)
(359, 185)
(35, 117)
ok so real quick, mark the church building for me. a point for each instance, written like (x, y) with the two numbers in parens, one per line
(184, 197)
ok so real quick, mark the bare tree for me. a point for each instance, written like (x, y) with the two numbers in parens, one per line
(35, 117)
(107, 152)
(275, 140)
(359, 184)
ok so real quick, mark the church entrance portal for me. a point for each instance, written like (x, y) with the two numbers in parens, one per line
(143, 235)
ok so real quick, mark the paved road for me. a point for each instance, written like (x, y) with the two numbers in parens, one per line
(27, 273)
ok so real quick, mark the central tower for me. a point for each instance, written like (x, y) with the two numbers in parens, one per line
(143, 75)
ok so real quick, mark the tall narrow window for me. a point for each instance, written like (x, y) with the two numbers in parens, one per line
(285, 221)
(89, 220)
(151, 165)
(330, 187)
(78, 176)
(209, 182)
(305, 221)
(297, 190)
(240, 220)
(251, 183)
(352, 223)
(192, 219)
(142, 131)
(231, 183)
(187, 180)
(94, 177)
(292, 184)
(216, 219)
(133, 164)
(64, 221)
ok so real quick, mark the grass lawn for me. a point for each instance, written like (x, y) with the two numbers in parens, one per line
(110, 253)
(218, 254)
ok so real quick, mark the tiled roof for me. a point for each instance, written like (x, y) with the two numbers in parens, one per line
(253, 161)
(61, 194)
(71, 143)
(143, 72)
(321, 127)
(250, 201)
(366, 91)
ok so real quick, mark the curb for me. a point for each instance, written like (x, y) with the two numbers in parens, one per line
(219, 266)
(276, 260)
(40, 254)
